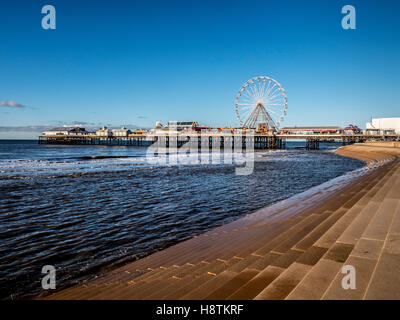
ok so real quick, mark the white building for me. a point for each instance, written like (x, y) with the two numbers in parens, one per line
(65, 131)
(180, 125)
(383, 125)
(104, 132)
(123, 132)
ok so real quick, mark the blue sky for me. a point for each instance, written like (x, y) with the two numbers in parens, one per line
(137, 62)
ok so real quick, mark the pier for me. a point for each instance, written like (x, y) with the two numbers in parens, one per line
(212, 140)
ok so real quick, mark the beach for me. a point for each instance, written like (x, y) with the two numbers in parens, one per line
(293, 249)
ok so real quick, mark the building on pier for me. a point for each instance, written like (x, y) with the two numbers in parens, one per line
(123, 132)
(311, 130)
(383, 126)
(180, 125)
(104, 132)
(66, 131)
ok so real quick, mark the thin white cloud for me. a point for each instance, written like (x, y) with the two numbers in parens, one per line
(25, 128)
(11, 104)
(41, 128)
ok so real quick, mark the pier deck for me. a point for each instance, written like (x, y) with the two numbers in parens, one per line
(210, 140)
(294, 249)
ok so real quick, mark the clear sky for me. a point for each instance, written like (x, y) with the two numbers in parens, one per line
(137, 62)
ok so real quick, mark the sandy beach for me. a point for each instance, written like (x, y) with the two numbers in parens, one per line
(294, 249)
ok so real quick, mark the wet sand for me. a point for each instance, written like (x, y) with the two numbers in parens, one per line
(294, 249)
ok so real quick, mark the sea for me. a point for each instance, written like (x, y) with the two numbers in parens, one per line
(88, 209)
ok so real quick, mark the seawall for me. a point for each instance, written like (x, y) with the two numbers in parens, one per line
(294, 249)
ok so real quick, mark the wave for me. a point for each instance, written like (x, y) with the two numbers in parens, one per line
(105, 157)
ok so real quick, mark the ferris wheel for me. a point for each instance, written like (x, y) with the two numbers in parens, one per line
(261, 100)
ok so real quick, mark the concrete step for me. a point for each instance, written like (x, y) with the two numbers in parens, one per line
(360, 223)
(350, 209)
(302, 232)
(289, 260)
(385, 281)
(282, 260)
(283, 236)
(253, 287)
(284, 283)
(331, 235)
(159, 290)
(264, 261)
(191, 282)
(133, 286)
(231, 286)
(322, 274)
(315, 283)
(142, 291)
(244, 247)
(366, 253)
(213, 284)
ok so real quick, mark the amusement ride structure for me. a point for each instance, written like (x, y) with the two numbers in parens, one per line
(261, 101)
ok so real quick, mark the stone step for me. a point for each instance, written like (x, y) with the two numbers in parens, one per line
(226, 248)
(319, 278)
(308, 240)
(204, 288)
(315, 283)
(212, 249)
(365, 254)
(290, 260)
(284, 235)
(248, 246)
(237, 268)
(264, 261)
(159, 290)
(233, 285)
(142, 291)
(322, 229)
(284, 283)
(282, 260)
(133, 285)
(188, 283)
(253, 287)
(385, 281)
(331, 235)
(360, 223)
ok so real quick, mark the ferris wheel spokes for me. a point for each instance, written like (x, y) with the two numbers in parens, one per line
(261, 100)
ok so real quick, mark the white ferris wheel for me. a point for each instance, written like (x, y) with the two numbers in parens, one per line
(261, 100)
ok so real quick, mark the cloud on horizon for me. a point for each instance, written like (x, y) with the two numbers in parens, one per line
(25, 128)
(41, 128)
(11, 104)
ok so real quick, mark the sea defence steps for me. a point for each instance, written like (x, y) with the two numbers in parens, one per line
(294, 249)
